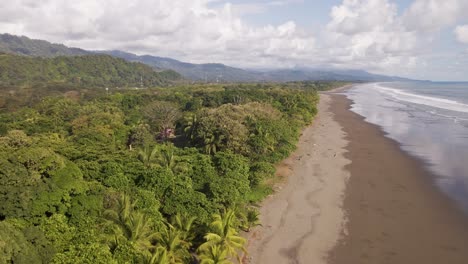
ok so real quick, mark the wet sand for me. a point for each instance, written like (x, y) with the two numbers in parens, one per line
(395, 214)
(304, 219)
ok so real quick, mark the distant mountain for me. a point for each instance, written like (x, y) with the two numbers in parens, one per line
(34, 47)
(304, 75)
(80, 71)
(220, 72)
(326, 74)
(363, 75)
(210, 72)
(196, 72)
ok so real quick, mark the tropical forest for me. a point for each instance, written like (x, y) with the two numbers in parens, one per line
(94, 170)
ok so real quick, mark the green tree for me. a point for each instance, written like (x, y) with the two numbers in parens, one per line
(184, 223)
(232, 184)
(129, 224)
(89, 253)
(223, 233)
(159, 256)
(140, 136)
(250, 218)
(172, 241)
(190, 124)
(214, 254)
(14, 247)
(162, 115)
(166, 158)
(148, 155)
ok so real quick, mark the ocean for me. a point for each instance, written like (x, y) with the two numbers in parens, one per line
(429, 120)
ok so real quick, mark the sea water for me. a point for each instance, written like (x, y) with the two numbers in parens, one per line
(429, 120)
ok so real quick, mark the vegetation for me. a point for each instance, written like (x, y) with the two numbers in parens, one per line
(34, 47)
(95, 178)
(79, 71)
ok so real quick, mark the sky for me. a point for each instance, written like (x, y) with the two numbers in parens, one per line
(421, 39)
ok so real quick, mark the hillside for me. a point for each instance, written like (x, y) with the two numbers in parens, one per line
(80, 71)
(196, 72)
(34, 47)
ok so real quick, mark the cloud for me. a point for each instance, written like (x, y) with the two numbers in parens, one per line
(354, 16)
(253, 8)
(367, 34)
(189, 30)
(461, 33)
(370, 34)
(433, 15)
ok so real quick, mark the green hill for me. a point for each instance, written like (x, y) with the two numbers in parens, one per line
(80, 71)
(34, 47)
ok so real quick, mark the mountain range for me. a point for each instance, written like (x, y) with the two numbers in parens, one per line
(220, 72)
(209, 72)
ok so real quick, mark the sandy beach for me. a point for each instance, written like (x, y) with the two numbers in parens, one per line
(395, 213)
(304, 219)
(352, 196)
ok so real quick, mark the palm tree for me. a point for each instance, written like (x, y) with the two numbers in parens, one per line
(129, 224)
(167, 159)
(184, 223)
(215, 254)
(161, 156)
(266, 137)
(212, 142)
(177, 249)
(250, 219)
(159, 256)
(191, 124)
(147, 155)
(224, 234)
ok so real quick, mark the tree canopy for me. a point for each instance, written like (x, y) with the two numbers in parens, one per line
(88, 179)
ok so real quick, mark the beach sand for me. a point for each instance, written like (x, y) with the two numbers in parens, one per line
(395, 214)
(304, 219)
(380, 208)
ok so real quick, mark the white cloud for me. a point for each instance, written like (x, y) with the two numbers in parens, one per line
(189, 30)
(355, 16)
(432, 15)
(370, 34)
(367, 34)
(259, 7)
(461, 33)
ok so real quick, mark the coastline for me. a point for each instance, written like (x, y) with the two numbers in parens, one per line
(303, 220)
(388, 211)
(395, 214)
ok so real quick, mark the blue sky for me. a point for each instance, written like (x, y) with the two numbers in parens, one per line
(423, 39)
(306, 13)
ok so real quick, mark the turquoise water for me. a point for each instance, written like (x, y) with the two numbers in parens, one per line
(429, 120)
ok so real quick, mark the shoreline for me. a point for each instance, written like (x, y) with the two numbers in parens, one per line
(395, 213)
(388, 211)
(304, 218)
